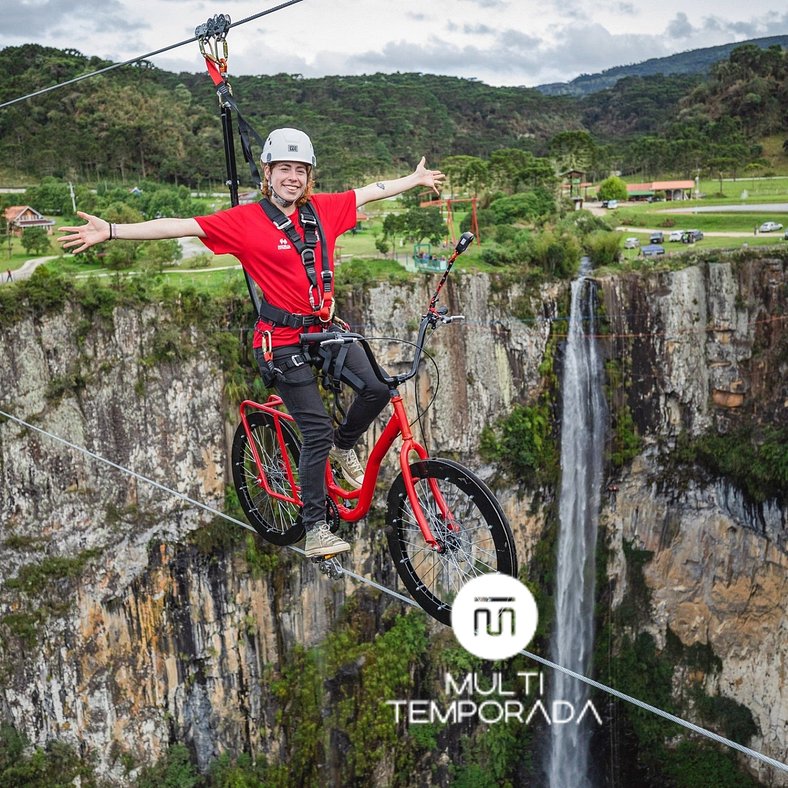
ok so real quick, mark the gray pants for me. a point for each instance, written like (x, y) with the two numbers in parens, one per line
(300, 393)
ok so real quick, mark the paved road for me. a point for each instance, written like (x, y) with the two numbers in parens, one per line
(766, 207)
(712, 234)
(27, 269)
(189, 246)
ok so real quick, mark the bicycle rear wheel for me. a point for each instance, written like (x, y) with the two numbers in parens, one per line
(483, 542)
(276, 521)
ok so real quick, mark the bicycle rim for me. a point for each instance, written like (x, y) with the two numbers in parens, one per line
(482, 542)
(276, 521)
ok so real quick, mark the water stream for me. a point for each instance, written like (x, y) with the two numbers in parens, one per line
(582, 450)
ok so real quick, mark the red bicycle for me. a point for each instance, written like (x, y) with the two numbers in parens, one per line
(445, 526)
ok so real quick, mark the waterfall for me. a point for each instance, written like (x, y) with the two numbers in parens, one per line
(582, 448)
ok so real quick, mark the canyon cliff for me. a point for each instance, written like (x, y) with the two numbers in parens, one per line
(132, 620)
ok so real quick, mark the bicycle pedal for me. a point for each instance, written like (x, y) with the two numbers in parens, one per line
(329, 566)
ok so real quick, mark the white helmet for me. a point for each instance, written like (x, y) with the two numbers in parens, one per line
(288, 145)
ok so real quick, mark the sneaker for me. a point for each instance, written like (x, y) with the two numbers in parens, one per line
(321, 542)
(349, 465)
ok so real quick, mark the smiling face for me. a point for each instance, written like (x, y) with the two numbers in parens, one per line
(288, 179)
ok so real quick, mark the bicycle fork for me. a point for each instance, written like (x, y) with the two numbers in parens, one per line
(271, 408)
(409, 445)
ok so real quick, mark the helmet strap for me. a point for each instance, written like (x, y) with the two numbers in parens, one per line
(277, 199)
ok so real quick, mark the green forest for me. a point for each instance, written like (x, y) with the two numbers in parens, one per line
(140, 122)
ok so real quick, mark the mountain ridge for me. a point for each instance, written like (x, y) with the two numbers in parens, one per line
(692, 61)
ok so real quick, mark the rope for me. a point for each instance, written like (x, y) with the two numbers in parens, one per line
(141, 57)
(367, 581)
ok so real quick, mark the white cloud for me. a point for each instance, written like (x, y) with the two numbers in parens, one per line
(525, 42)
(680, 27)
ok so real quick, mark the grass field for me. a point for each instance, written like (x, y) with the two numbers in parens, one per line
(633, 219)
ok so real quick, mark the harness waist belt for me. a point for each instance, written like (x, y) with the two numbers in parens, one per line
(279, 317)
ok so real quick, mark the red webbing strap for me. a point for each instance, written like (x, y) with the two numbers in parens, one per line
(213, 71)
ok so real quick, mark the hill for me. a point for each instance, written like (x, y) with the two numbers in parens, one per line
(695, 62)
(140, 122)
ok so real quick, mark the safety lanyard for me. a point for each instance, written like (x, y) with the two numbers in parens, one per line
(321, 289)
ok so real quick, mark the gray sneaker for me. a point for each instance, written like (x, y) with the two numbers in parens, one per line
(321, 542)
(349, 465)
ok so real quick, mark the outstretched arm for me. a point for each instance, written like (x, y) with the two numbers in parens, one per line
(77, 239)
(421, 176)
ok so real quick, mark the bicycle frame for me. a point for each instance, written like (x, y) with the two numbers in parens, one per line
(396, 426)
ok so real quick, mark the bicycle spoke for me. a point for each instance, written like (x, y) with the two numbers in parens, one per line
(258, 455)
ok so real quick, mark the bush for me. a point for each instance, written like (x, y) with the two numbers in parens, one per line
(532, 206)
(556, 255)
(497, 255)
(603, 247)
(523, 443)
(612, 188)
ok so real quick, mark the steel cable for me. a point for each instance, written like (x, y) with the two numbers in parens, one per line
(141, 57)
(367, 581)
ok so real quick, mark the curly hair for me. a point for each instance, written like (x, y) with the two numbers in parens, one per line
(304, 198)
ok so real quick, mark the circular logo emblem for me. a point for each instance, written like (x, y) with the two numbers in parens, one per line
(494, 616)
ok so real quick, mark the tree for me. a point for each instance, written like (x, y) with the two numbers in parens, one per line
(382, 245)
(612, 188)
(50, 196)
(511, 169)
(532, 206)
(572, 150)
(420, 223)
(35, 240)
(156, 254)
(466, 172)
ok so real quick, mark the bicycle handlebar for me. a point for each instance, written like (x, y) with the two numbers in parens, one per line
(433, 317)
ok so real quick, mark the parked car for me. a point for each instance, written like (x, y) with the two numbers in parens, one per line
(611, 204)
(690, 236)
(652, 250)
(657, 237)
(631, 243)
(769, 227)
(675, 235)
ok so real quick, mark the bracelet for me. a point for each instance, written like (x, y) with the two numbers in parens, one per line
(112, 232)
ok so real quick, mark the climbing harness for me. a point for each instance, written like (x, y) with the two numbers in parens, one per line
(321, 289)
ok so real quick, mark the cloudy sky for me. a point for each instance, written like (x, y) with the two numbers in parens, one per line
(500, 42)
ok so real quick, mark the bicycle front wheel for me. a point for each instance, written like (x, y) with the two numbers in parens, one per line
(275, 520)
(474, 536)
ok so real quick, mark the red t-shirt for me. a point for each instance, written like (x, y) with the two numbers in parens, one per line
(269, 257)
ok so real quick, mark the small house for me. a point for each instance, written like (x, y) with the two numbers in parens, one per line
(20, 217)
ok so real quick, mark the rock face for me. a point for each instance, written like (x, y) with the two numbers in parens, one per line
(122, 632)
(706, 347)
(142, 638)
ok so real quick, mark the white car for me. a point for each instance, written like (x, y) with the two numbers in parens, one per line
(675, 235)
(769, 227)
(631, 243)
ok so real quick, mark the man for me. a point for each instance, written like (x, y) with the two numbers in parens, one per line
(277, 253)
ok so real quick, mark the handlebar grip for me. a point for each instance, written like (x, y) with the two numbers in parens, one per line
(330, 336)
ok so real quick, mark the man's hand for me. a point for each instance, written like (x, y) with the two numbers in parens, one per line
(86, 235)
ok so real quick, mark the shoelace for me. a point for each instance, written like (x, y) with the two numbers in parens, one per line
(353, 463)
